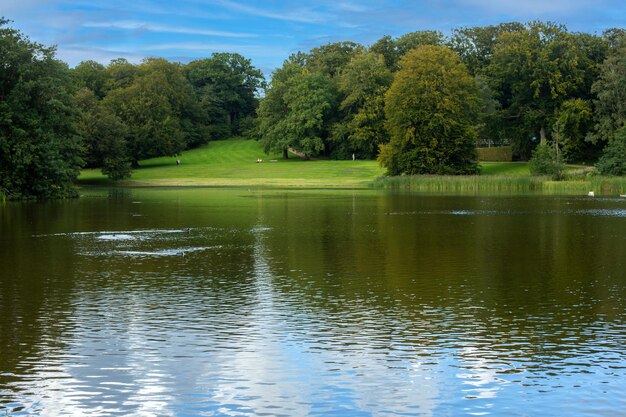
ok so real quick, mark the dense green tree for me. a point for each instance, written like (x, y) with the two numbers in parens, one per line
(119, 74)
(574, 119)
(227, 85)
(91, 75)
(273, 108)
(430, 108)
(412, 40)
(475, 45)
(386, 46)
(104, 137)
(331, 58)
(39, 145)
(610, 88)
(363, 84)
(394, 49)
(294, 113)
(309, 100)
(160, 110)
(546, 160)
(533, 71)
(613, 159)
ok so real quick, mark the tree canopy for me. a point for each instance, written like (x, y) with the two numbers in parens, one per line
(430, 108)
(40, 150)
(420, 103)
(227, 86)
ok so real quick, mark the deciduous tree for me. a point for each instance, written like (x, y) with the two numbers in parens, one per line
(39, 145)
(362, 84)
(430, 108)
(227, 85)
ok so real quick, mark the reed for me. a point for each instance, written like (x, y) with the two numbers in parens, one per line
(503, 184)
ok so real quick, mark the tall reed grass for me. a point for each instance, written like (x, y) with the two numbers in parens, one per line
(503, 184)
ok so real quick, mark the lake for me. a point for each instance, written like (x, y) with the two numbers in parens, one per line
(211, 302)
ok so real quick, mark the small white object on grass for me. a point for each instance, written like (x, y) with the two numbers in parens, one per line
(591, 194)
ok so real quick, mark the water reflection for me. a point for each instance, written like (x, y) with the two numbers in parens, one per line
(222, 302)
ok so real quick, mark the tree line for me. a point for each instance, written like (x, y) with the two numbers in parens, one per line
(423, 101)
(420, 103)
(55, 120)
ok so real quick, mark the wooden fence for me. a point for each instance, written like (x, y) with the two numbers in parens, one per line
(495, 154)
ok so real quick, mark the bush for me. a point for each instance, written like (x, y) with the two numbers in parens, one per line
(613, 160)
(546, 161)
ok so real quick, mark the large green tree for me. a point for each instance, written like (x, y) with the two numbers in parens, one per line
(431, 107)
(394, 49)
(227, 86)
(475, 45)
(39, 145)
(362, 84)
(610, 88)
(331, 58)
(119, 74)
(91, 75)
(104, 135)
(533, 72)
(160, 110)
(273, 108)
(295, 112)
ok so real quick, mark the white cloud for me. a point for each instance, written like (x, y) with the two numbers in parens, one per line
(531, 7)
(302, 15)
(73, 55)
(253, 50)
(134, 25)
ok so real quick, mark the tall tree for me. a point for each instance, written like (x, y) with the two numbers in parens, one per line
(119, 74)
(610, 88)
(475, 45)
(331, 58)
(91, 75)
(363, 84)
(160, 110)
(104, 137)
(386, 46)
(294, 113)
(533, 71)
(418, 38)
(39, 145)
(227, 85)
(430, 109)
(394, 49)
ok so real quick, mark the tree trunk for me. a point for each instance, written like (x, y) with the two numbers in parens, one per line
(285, 154)
(542, 135)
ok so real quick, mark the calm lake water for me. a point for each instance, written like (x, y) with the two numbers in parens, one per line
(203, 302)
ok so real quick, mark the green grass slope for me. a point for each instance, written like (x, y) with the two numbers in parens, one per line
(233, 163)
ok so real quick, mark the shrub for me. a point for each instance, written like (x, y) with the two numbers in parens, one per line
(613, 159)
(546, 161)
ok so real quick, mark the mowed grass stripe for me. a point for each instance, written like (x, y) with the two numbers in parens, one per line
(232, 162)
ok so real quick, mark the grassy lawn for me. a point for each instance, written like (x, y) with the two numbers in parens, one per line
(233, 163)
(504, 168)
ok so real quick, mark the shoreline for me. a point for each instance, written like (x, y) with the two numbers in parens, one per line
(474, 184)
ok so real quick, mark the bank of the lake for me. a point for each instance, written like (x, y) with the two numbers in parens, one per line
(233, 163)
(513, 184)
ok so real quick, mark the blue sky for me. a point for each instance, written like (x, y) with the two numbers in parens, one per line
(268, 31)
